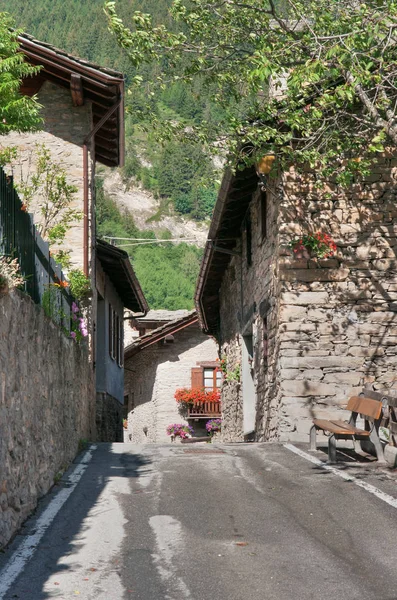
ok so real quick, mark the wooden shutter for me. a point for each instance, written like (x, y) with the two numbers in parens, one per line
(197, 377)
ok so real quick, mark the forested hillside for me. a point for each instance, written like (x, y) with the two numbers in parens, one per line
(167, 272)
(180, 176)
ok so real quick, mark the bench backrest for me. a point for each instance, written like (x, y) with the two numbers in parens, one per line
(365, 406)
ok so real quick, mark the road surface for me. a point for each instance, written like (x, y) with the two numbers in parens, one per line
(201, 522)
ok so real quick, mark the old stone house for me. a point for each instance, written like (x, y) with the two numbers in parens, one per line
(83, 124)
(172, 353)
(307, 333)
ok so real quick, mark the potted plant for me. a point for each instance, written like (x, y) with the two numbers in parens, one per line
(213, 426)
(189, 396)
(313, 245)
(179, 431)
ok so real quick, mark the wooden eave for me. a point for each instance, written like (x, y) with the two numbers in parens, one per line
(116, 264)
(233, 200)
(104, 88)
(157, 335)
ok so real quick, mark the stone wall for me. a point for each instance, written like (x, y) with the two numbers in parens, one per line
(338, 316)
(249, 302)
(64, 129)
(153, 375)
(47, 405)
(332, 323)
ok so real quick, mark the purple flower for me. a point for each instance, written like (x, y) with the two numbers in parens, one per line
(73, 335)
(75, 308)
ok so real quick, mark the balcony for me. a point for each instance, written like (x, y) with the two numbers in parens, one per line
(204, 410)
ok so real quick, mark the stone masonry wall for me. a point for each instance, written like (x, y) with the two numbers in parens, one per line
(332, 323)
(153, 375)
(64, 129)
(248, 300)
(47, 405)
(338, 317)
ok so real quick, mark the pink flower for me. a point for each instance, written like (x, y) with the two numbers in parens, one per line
(75, 308)
(73, 335)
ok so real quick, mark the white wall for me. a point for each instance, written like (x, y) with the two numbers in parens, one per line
(153, 375)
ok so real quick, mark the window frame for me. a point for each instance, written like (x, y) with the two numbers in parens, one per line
(111, 331)
(120, 340)
(215, 371)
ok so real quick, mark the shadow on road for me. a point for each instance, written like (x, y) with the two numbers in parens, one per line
(68, 533)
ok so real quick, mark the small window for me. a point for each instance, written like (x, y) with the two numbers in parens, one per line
(263, 209)
(265, 343)
(219, 378)
(111, 331)
(212, 378)
(120, 359)
(116, 337)
(114, 334)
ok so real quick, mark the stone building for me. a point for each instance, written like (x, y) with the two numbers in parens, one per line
(175, 354)
(83, 124)
(305, 333)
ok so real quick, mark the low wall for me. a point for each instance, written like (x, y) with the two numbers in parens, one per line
(47, 405)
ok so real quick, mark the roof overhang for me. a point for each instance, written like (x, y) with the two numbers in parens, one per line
(86, 81)
(225, 230)
(116, 264)
(157, 335)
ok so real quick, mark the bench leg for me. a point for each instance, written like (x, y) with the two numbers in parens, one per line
(332, 449)
(313, 432)
(374, 437)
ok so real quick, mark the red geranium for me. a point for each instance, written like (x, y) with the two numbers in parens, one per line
(196, 395)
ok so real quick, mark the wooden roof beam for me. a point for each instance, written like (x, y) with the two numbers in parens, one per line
(76, 89)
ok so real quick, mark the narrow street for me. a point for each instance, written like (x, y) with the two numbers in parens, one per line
(233, 522)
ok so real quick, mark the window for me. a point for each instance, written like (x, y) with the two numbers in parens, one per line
(120, 358)
(265, 344)
(111, 331)
(263, 209)
(207, 377)
(116, 335)
(212, 378)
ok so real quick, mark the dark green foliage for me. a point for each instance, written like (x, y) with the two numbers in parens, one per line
(183, 204)
(80, 27)
(17, 113)
(167, 274)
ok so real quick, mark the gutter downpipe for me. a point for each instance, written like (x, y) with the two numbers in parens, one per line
(85, 181)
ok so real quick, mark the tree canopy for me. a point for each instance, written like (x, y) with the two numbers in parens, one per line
(310, 81)
(17, 112)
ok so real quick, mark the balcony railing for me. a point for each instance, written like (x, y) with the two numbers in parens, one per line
(204, 410)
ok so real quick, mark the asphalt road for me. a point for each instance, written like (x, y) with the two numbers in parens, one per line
(234, 522)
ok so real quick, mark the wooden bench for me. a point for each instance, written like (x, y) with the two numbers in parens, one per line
(369, 409)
